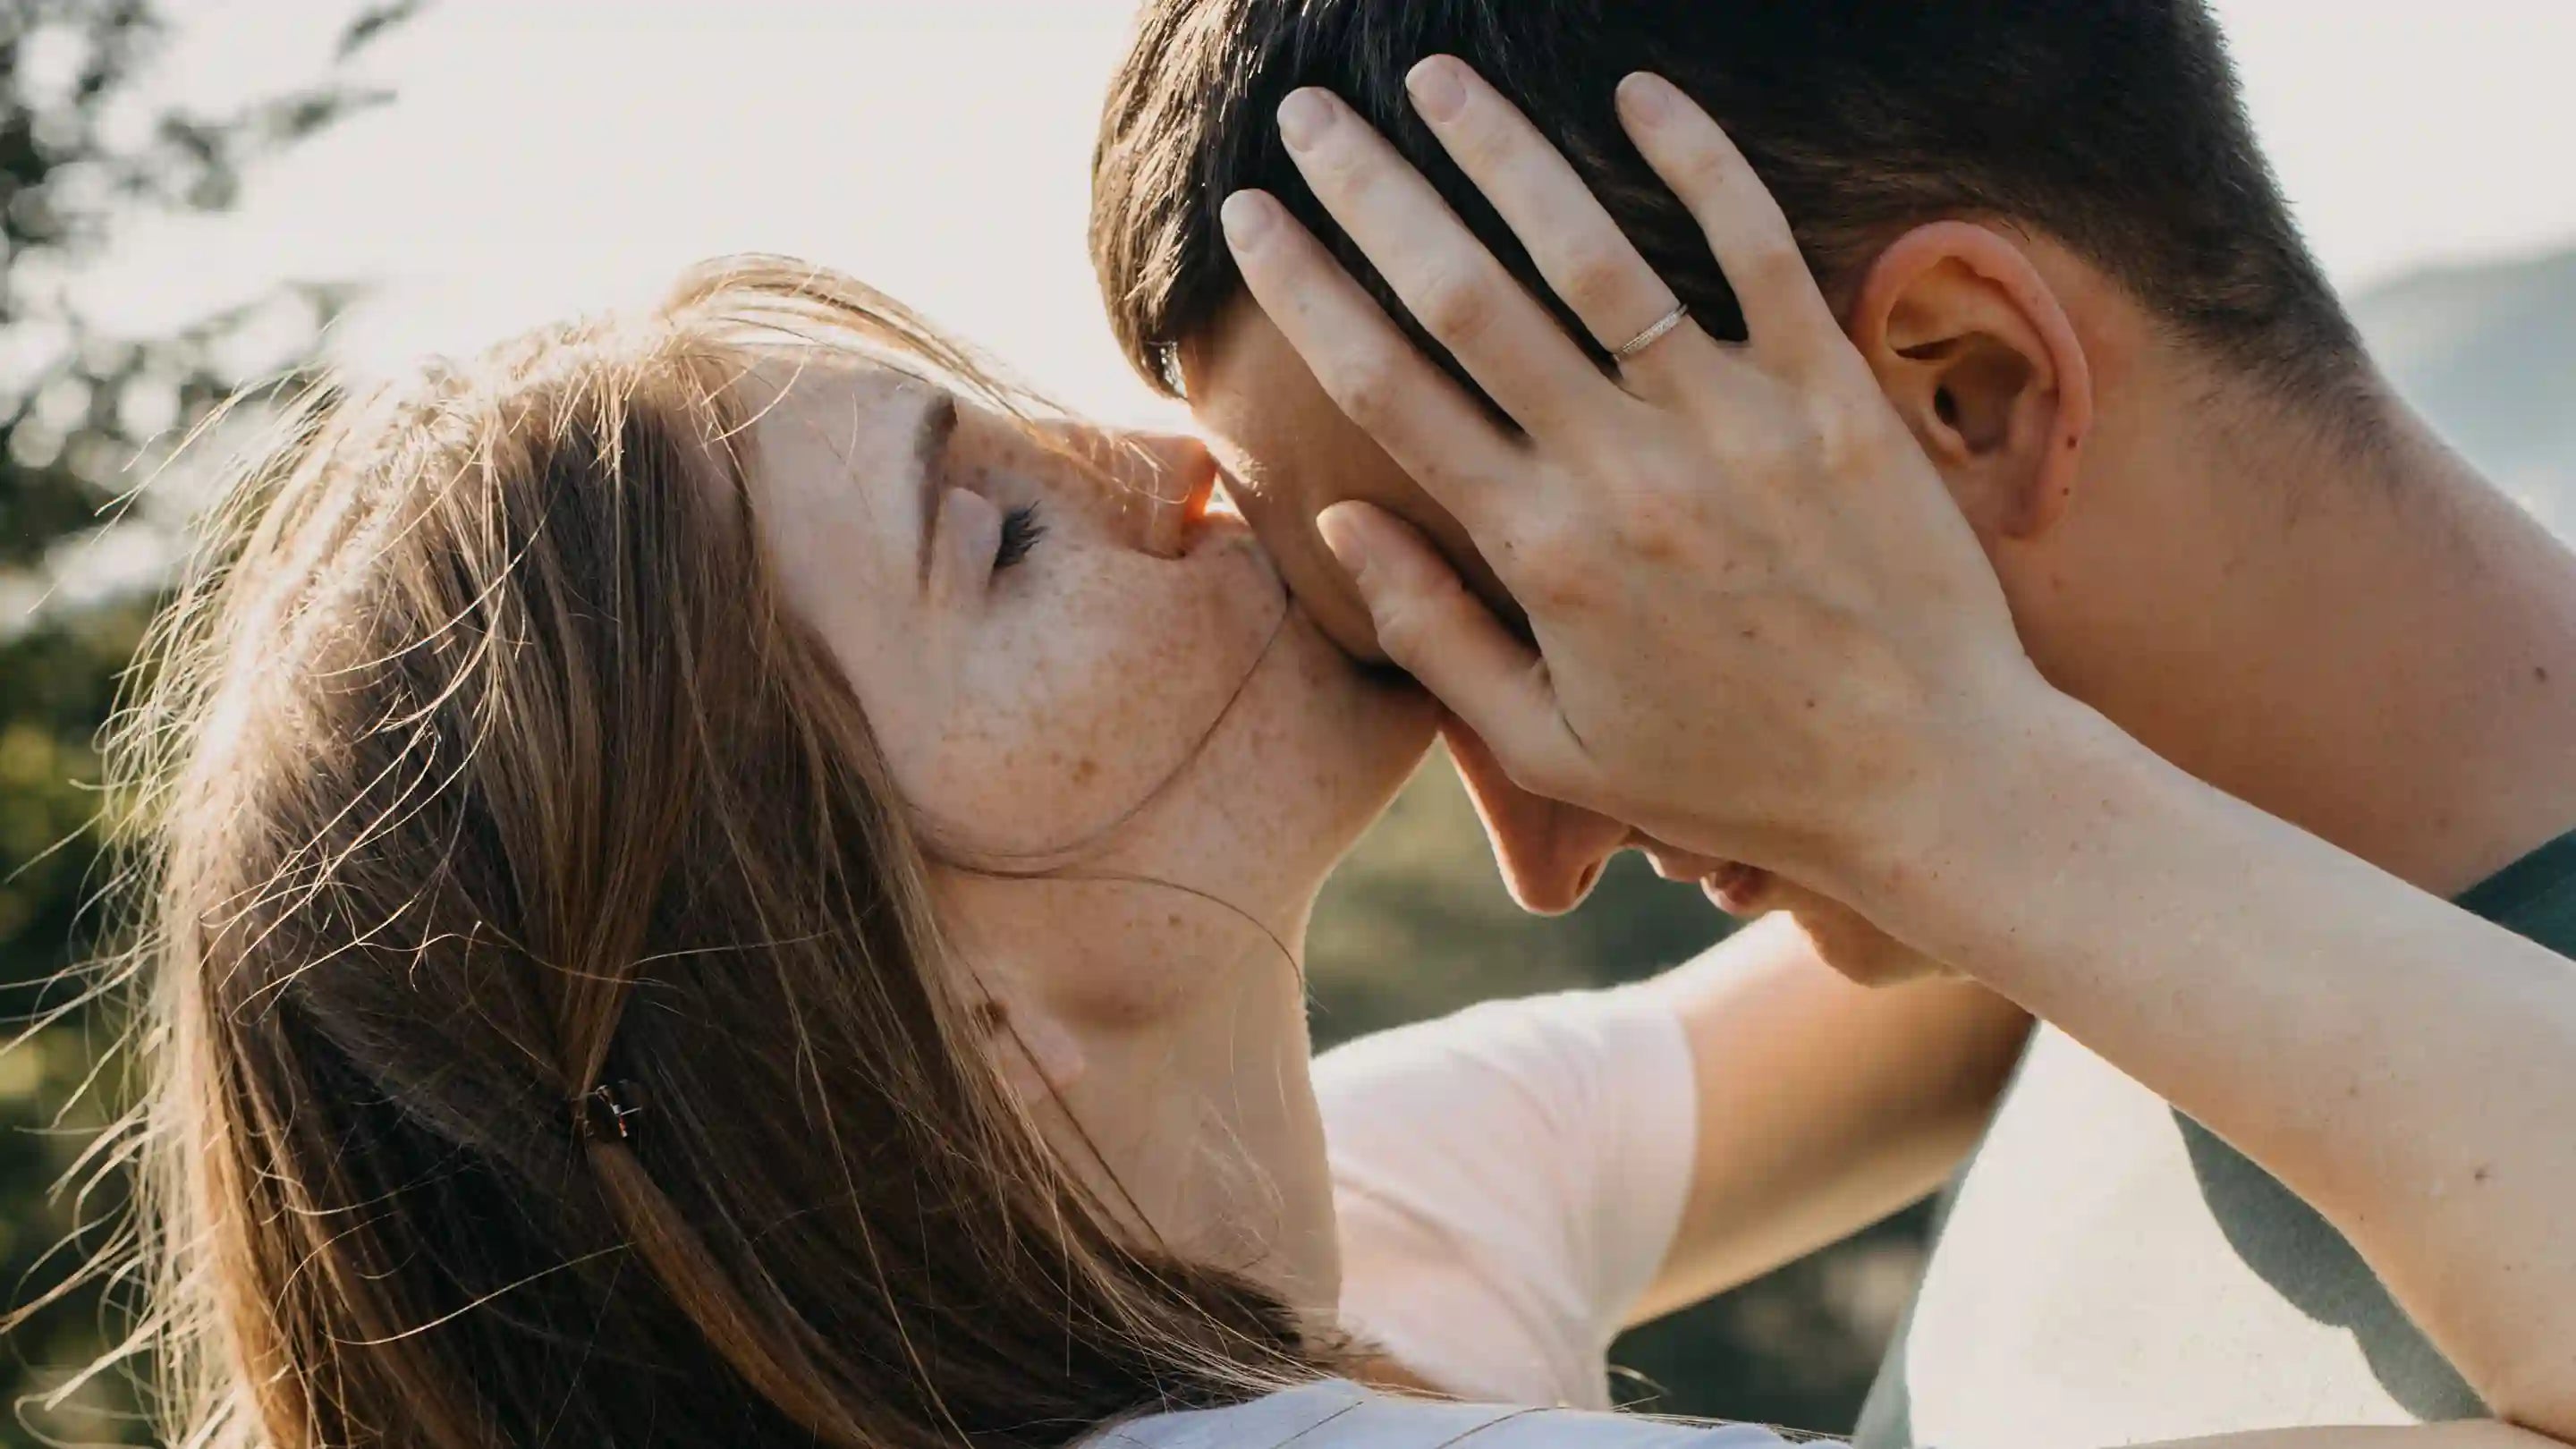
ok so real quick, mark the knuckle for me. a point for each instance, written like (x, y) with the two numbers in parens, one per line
(1336, 166)
(1841, 438)
(1411, 617)
(1705, 168)
(1550, 566)
(1441, 601)
(1774, 263)
(1478, 141)
(1366, 385)
(1457, 306)
(1595, 276)
(1402, 630)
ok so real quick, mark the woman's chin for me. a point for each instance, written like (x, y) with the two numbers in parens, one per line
(1379, 724)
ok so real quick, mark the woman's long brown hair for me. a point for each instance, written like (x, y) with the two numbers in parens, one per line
(481, 770)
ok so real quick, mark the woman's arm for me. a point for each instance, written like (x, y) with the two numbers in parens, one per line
(1823, 1106)
(2407, 1068)
(1509, 1177)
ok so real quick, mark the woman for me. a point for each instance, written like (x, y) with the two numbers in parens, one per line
(645, 826)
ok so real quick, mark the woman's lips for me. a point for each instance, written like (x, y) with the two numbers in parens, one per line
(1322, 591)
(1170, 523)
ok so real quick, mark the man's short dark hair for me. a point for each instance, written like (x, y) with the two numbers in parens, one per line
(2113, 126)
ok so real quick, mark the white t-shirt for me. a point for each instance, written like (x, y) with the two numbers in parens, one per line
(1508, 1181)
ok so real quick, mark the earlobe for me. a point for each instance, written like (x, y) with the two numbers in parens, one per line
(1976, 352)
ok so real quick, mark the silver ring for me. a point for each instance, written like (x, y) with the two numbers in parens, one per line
(1654, 333)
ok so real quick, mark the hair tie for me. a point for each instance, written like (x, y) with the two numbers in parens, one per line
(606, 1111)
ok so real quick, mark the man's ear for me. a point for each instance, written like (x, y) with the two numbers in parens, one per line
(1978, 356)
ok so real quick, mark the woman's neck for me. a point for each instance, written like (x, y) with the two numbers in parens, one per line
(1204, 1116)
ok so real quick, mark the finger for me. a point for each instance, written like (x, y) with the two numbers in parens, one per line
(1368, 367)
(1784, 311)
(1452, 285)
(1587, 261)
(1444, 637)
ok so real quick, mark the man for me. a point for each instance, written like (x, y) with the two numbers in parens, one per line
(2212, 521)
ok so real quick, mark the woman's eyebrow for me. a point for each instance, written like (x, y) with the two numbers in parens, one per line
(931, 430)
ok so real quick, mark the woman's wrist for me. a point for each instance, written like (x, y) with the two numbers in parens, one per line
(1999, 816)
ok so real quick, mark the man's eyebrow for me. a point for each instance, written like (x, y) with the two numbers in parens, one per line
(931, 430)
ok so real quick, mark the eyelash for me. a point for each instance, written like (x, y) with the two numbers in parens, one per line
(1021, 530)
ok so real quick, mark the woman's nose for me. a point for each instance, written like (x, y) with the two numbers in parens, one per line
(1155, 487)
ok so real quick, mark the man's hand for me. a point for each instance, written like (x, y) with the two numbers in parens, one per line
(1764, 631)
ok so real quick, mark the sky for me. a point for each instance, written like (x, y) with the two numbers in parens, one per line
(546, 155)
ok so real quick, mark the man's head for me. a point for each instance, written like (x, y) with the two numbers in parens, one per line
(2132, 255)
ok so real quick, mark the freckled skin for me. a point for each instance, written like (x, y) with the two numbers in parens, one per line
(1094, 710)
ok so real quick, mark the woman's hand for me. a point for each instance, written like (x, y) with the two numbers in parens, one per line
(1764, 631)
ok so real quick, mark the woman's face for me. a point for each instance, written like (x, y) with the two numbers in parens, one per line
(1060, 675)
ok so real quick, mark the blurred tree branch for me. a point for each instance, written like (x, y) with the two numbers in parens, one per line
(86, 151)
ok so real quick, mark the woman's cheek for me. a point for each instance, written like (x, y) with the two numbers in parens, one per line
(1086, 692)
(1052, 754)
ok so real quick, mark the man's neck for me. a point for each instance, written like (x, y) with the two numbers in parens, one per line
(2383, 650)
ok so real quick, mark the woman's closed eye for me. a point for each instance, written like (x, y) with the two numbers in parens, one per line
(1021, 529)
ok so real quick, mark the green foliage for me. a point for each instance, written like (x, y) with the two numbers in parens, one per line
(82, 415)
(55, 683)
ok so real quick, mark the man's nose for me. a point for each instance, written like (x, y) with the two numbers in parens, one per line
(1551, 854)
(1153, 487)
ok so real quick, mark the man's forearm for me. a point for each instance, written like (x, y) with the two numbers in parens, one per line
(2404, 1066)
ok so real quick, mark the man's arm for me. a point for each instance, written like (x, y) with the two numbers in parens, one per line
(1823, 1106)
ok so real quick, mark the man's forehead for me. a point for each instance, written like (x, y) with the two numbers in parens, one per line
(1246, 384)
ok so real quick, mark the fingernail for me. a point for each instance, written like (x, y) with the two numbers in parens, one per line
(1345, 535)
(1649, 97)
(1247, 216)
(1303, 117)
(1439, 94)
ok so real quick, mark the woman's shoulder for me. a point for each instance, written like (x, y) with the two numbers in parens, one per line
(1340, 1414)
